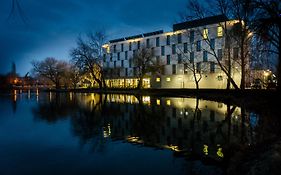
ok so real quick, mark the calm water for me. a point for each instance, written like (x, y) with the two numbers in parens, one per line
(50, 133)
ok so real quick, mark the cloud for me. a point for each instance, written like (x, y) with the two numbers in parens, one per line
(53, 25)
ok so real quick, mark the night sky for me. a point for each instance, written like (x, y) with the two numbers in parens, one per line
(49, 28)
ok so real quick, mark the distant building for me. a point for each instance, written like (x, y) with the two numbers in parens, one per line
(189, 43)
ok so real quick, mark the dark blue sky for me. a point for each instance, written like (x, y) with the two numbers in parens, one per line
(53, 25)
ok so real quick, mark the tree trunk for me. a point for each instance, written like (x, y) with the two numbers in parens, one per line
(279, 72)
(140, 83)
(242, 55)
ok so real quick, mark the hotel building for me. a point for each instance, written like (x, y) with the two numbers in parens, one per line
(192, 46)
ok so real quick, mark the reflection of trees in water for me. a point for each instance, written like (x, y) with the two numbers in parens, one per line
(152, 125)
(55, 108)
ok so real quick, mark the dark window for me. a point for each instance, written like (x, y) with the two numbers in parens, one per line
(168, 59)
(126, 71)
(212, 67)
(168, 39)
(118, 56)
(110, 56)
(114, 64)
(158, 60)
(122, 63)
(235, 53)
(174, 67)
(138, 44)
(147, 43)
(191, 57)
(126, 55)
(185, 68)
(134, 52)
(191, 39)
(130, 63)
(173, 49)
(130, 46)
(198, 46)
(179, 38)
(152, 50)
(114, 48)
(179, 59)
(104, 57)
(212, 43)
(157, 42)
(220, 54)
(162, 50)
(122, 47)
(185, 47)
(198, 67)
(205, 56)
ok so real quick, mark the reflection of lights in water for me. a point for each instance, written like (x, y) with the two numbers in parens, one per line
(134, 139)
(50, 96)
(70, 96)
(219, 152)
(181, 112)
(205, 149)
(37, 92)
(172, 147)
(186, 113)
(28, 94)
(146, 100)
(158, 102)
(106, 131)
(15, 95)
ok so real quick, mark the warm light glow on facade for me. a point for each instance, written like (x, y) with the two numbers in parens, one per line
(168, 102)
(219, 31)
(205, 33)
(158, 79)
(168, 79)
(158, 102)
(107, 47)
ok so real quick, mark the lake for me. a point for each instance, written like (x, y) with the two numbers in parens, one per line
(88, 133)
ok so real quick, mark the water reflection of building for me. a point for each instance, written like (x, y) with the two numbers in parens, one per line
(187, 125)
(179, 124)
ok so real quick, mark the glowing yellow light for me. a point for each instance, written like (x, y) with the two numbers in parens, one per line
(205, 33)
(106, 131)
(158, 79)
(106, 46)
(205, 149)
(168, 102)
(219, 153)
(37, 92)
(220, 31)
(168, 79)
(146, 100)
(158, 102)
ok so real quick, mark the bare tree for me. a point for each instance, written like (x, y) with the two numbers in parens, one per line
(87, 56)
(267, 26)
(73, 75)
(239, 34)
(145, 63)
(50, 68)
(190, 65)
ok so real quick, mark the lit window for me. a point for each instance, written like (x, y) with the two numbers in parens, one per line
(220, 31)
(168, 102)
(205, 34)
(168, 79)
(158, 79)
(158, 102)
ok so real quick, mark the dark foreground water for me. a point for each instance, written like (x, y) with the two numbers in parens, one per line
(68, 133)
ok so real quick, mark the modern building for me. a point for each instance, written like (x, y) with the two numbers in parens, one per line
(192, 49)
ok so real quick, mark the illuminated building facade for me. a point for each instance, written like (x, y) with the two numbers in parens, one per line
(193, 46)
